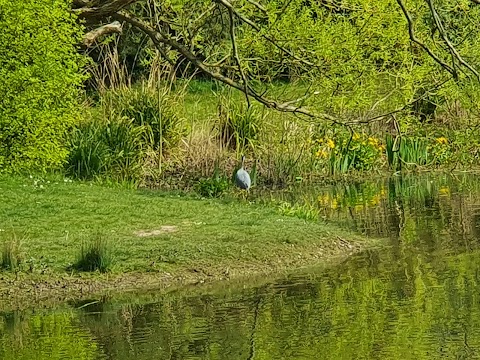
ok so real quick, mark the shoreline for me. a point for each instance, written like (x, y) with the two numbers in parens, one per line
(26, 291)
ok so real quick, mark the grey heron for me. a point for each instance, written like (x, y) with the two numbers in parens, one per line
(242, 178)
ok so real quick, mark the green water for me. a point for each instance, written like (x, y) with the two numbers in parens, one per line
(417, 298)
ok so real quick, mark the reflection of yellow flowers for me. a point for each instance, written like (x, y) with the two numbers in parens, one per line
(442, 140)
(330, 144)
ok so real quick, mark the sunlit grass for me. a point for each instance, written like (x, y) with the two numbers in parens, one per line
(150, 230)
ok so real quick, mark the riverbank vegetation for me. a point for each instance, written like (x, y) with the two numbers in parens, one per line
(144, 109)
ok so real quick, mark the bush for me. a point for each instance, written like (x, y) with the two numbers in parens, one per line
(111, 149)
(212, 187)
(40, 72)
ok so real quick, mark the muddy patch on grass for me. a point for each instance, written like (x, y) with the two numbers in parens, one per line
(166, 229)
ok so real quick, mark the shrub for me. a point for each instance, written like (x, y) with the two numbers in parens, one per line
(212, 187)
(40, 72)
(111, 149)
(95, 255)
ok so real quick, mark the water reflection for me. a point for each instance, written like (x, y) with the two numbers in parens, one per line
(418, 298)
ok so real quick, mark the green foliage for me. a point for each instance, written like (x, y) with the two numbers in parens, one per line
(111, 149)
(41, 75)
(214, 186)
(406, 151)
(150, 108)
(95, 255)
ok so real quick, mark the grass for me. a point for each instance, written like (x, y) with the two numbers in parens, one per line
(11, 253)
(155, 231)
(95, 255)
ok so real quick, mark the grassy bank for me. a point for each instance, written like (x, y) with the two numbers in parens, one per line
(154, 238)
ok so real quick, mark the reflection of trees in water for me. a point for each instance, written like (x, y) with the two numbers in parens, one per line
(429, 212)
(44, 335)
(374, 305)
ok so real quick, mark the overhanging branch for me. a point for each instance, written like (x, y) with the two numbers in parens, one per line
(443, 34)
(90, 37)
(159, 37)
(89, 9)
(411, 32)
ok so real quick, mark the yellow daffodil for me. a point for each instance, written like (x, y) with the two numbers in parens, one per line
(444, 190)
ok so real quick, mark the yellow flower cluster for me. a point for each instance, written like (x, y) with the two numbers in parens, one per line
(444, 190)
(442, 140)
(321, 153)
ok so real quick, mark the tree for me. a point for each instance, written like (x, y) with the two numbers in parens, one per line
(342, 47)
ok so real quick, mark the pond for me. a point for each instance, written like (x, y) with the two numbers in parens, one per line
(416, 298)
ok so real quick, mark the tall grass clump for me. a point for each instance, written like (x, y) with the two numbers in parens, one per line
(96, 255)
(238, 125)
(151, 108)
(11, 254)
(111, 149)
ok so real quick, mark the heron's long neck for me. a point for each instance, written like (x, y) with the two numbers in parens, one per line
(243, 163)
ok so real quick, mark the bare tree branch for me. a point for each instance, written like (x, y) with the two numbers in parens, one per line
(259, 6)
(411, 32)
(235, 54)
(397, 110)
(90, 37)
(229, 6)
(102, 10)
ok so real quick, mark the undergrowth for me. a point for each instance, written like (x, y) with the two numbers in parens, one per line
(162, 137)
